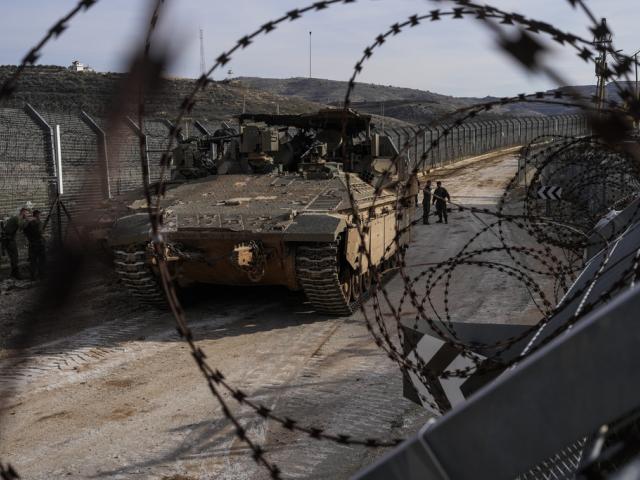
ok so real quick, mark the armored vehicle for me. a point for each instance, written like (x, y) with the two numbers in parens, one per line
(272, 207)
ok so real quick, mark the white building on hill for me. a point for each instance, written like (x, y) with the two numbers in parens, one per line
(77, 66)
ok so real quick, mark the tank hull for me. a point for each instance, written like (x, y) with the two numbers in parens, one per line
(270, 229)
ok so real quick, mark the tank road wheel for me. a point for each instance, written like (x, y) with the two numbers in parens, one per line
(134, 271)
(356, 287)
(325, 278)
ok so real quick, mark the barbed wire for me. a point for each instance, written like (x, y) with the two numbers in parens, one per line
(258, 453)
(553, 157)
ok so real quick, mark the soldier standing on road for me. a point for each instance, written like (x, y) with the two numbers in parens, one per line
(9, 244)
(426, 203)
(440, 197)
(37, 250)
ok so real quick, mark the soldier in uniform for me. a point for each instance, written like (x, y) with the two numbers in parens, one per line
(37, 251)
(9, 244)
(440, 197)
(426, 203)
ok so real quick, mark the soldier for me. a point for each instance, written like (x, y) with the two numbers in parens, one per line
(426, 203)
(9, 243)
(440, 197)
(37, 250)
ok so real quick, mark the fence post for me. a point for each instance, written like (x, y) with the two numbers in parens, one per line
(465, 139)
(52, 190)
(474, 146)
(103, 157)
(497, 126)
(512, 136)
(435, 145)
(483, 137)
(143, 138)
(487, 136)
(459, 142)
(415, 148)
(46, 128)
(433, 133)
(538, 126)
(399, 135)
(529, 122)
(446, 136)
(407, 136)
(169, 124)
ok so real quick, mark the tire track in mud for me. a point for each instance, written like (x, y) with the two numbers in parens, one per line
(93, 350)
(68, 355)
(350, 387)
(339, 380)
(285, 355)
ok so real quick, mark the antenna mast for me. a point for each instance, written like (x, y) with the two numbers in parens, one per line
(203, 66)
(602, 42)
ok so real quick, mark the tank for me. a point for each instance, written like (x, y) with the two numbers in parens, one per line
(269, 205)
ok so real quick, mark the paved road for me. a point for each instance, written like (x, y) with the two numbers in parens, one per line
(120, 397)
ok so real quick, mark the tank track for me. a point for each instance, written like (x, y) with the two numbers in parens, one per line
(133, 270)
(317, 273)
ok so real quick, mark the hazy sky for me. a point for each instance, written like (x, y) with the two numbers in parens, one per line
(451, 56)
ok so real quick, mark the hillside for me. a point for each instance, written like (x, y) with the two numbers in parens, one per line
(332, 91)
(407, 104)
(56, 89)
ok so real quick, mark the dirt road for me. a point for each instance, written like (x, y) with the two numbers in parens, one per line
(115, 394)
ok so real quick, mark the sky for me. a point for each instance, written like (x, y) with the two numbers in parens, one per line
(454, 57)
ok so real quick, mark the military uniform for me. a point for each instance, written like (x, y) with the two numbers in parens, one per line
(9, 243)
(440, 197)
(426, 204)
(37, 248)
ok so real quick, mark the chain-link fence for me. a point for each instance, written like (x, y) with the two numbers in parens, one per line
(477, 138)
(46, 155)
(93, 167)
(42, 152)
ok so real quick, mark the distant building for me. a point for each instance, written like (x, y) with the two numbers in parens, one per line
(77, 66)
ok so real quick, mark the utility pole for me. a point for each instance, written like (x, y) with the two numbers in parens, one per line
(602, 42)
(636, 89)
(309, 54)
(203, 65)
